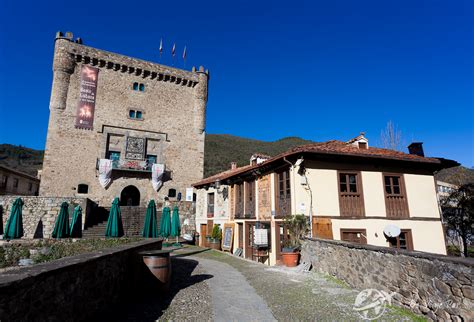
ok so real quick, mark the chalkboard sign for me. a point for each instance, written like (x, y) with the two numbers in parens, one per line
(228, 237)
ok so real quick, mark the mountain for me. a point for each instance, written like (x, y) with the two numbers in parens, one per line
(456, 175)
(222, 149)
(21, 158)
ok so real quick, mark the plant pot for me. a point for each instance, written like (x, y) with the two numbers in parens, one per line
(290, 259)
(208, 241)
(215, 244)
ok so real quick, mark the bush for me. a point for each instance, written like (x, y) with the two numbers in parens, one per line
(298, 227)
(216, 232)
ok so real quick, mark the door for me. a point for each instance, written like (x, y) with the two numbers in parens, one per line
(202, 235)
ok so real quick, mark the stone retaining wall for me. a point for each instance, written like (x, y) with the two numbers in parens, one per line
(40, 213)
(78, 288)
(438, 286)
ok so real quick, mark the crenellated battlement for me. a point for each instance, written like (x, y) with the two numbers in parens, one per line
(124, 64)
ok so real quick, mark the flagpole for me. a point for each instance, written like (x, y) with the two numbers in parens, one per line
(161, 48)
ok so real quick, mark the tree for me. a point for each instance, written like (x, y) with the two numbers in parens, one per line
(458, 214)
(391, 137)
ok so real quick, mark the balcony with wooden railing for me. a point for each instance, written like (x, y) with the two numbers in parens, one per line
(396, 206)
(351, 204)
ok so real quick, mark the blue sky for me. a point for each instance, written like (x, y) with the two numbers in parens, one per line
(316, 69)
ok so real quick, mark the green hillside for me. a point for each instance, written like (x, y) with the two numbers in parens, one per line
(20, 158)
(456, 175)
(222, 149)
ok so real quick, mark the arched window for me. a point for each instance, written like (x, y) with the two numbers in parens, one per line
(135, 86)
(142, 87)
(82, 188)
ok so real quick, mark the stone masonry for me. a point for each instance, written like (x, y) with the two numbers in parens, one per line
(173, 106)
(438, 286)
(40, 213)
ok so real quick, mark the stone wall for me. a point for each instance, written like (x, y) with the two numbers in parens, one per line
(435, 285)
(40, 213)
(78, 288)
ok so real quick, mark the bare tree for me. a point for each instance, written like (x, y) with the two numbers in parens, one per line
(391, 137)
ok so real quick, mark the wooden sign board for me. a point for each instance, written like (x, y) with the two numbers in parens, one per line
(228, 237)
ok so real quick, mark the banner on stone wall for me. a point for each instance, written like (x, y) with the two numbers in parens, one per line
(87, 93)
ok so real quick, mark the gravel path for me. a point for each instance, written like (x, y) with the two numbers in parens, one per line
(233, 298)
(189, 298)
(213, 286)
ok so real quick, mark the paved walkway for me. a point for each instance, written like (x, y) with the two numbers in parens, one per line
(233, 299)
(213, 286)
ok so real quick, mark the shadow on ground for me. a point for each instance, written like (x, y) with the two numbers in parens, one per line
(150, 302)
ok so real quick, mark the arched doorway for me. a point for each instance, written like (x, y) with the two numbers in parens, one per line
(130, 196)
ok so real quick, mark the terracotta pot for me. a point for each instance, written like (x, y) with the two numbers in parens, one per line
(290, 259)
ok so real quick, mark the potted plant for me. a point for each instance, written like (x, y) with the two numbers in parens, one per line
(216, 236)
(297, 226)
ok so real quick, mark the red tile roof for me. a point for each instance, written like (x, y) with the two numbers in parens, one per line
(332, 147)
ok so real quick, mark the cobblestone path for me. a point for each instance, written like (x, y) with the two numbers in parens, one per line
(233, 299)
(213, 286)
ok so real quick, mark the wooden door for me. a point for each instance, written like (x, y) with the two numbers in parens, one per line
(241, 236)
(202, 237)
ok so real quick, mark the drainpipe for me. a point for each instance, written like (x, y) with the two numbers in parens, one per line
(310, 198)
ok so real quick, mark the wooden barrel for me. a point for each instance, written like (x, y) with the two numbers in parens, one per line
(159, 265)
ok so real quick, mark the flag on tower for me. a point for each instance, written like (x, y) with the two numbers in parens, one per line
(184, 53)
(161, 46)
(173, 49)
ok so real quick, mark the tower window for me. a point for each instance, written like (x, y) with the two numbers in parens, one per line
(138, 87)
(135, 114)
(82, 188)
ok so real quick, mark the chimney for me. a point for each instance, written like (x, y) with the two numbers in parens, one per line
(233, 165)
(416, 148)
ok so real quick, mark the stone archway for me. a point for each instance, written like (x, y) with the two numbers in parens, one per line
(130, 196)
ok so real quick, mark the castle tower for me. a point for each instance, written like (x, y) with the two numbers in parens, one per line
(110, 107)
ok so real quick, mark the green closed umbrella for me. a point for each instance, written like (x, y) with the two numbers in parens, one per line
(175, 225)
(76, 222)
(149, 228)
(61, 228)
(114, 224)
(165, 226)
(14, 226)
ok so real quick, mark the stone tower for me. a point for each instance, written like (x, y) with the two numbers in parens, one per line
(109, 106)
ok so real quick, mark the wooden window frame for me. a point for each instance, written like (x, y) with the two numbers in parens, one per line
(211, 214)
(360, 192)
(284, 197)
(362, 231)
(403, 194)
(249, 199)
(409, 240)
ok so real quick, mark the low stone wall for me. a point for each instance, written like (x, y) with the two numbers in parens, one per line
(78, 288)
(40, 213)
(438, 286)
